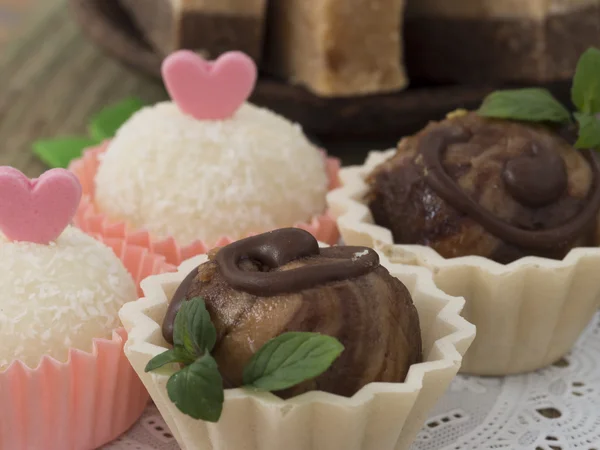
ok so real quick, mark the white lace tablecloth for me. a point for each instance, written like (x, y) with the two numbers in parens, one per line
(557, 408)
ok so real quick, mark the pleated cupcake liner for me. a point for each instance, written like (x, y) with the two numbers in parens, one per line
(92, 220)
(528, 313)
(381, 416)
(85, 402)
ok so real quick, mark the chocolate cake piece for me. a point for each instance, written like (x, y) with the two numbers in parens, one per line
(210, 27)
(499, 40)
(337, 47)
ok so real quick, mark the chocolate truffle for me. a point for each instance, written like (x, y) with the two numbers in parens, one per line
(260, 287)
(493, 188)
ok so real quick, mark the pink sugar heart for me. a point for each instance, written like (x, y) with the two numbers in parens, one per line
(209, 90)
(37, 210)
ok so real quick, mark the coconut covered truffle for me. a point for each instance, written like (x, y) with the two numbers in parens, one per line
(58, 296)
(501, 189)
(181, 173)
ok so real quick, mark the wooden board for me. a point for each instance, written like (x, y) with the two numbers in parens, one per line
(374, 117)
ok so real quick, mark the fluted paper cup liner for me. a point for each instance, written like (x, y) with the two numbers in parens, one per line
(92, 220)
(82, 403)
(528, 313)
(381, 416)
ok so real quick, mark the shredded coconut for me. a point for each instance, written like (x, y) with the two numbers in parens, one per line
(58, 296)
(174, 175)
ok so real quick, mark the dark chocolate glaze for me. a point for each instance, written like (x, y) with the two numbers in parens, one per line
(273, 250)
(176, 301)
(527, 189)
(280, 247)
(522, 178)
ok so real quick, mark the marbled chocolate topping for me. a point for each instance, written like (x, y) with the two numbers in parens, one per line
(367, 309)
(499, 189)
(273, 250)
(537, 177)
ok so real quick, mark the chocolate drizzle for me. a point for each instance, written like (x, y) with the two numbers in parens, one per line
(527, 189)
(280, 247)
(271, 251)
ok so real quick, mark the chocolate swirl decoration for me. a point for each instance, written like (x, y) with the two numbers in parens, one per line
(280, 247)
(273, 250)
(520, 183)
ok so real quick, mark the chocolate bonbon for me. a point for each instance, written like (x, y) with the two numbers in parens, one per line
(339, 291)
(497, 189)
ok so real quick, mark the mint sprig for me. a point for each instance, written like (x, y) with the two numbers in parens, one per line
(529, 105)
(585, 92)
(193, 330)
(589, 131)
(174, 355)
(290, 359)
(538, 105)
(197, 387)
(59, 152)
(107, 122)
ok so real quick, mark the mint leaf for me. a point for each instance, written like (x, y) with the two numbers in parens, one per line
(58, 153)
(585, 92)
(193, 329)
(105, 124)
(197, 390)
(290, 359)
(530, 105)
(589, 131)
(175, 355)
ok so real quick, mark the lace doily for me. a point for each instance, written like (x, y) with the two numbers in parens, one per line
(557, 408)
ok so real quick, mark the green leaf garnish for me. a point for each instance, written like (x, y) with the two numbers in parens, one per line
(290, 359)
(283, 362)
(538, 105)
(175, 355)
(585, 92)
(589, 131)
(193, 329)
(197, 390)
(58, 153)
(105, 124)
(530, 105)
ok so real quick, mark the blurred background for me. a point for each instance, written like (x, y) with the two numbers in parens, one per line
(62, 61)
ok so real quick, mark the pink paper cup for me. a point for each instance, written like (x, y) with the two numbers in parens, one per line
(85, 402)
(91, 220)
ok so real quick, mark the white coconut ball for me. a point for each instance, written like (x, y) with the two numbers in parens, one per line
(58, 296)
(177, 176)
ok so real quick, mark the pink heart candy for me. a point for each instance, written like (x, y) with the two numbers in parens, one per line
(209, 90)
(37, 210)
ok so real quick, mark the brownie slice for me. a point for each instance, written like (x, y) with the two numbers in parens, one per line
(337, 47)
(474, 41)
(210, 27)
